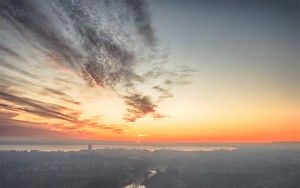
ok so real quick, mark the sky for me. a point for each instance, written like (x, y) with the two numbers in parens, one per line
(150, 71)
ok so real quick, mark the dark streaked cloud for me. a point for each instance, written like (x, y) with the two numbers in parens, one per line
(100, 41)
(18, 86)
(170, 82)
(11, 67)
(138, 106)
(76, 125)
(164, 93)
(60, 95)
(142, 19)
(10, 52)
(34, 107)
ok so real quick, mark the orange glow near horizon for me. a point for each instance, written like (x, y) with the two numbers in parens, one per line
(255, 125)
(241, 123)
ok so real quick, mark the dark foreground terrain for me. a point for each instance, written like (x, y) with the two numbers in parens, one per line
(263, 167)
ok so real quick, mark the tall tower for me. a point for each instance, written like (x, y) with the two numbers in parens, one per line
(90, 147)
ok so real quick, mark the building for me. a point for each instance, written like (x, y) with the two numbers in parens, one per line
(90, 147)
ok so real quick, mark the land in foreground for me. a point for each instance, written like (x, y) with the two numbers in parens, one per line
(247, 166)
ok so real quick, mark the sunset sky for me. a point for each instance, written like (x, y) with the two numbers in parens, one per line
(175, 71)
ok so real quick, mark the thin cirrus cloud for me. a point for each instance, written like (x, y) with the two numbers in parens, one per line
(99, 42)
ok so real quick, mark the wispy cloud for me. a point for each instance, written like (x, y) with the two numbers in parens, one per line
(34, 106)
(100, 42)
(138, 106)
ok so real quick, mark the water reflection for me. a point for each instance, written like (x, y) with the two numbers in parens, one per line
(134, 185)
(150, 173)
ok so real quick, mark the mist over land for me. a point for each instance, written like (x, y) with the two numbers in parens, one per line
(267, 165)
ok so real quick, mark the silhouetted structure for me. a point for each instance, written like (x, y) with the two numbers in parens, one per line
(90, 147)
